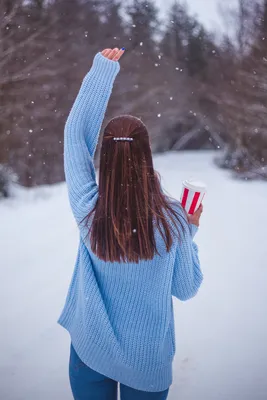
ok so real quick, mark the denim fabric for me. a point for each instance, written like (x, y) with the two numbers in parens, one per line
(87, 384)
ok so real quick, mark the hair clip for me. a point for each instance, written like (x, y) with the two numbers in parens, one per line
(123, 139)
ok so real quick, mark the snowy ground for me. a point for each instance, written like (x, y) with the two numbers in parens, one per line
(221, 335)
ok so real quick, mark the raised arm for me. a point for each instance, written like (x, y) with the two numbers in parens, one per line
(82, 131)
(187, 275)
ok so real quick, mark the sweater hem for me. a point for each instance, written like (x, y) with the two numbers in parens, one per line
(98, 360)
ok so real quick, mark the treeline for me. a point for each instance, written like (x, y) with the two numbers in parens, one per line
(241, 95)
(190, 90)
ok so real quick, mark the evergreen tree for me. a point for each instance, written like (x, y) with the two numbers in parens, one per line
(185, 40)
(143, 26)
(176, 33)
(196, 59)
(112, 29)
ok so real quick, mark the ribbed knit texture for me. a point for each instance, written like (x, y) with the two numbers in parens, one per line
(120, 315)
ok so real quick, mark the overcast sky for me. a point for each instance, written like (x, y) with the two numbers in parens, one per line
(207, 10)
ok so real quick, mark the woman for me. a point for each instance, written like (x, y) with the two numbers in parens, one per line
(136, 250)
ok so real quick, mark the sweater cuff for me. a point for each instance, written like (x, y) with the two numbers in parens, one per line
(103, 68)
(193, 229)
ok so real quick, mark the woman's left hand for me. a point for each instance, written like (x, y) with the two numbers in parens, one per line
(113, 54)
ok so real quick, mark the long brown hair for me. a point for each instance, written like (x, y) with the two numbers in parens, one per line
(131, 203)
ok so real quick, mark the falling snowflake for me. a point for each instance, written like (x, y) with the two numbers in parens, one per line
(141, 43)
(171, 98)
(159, 115)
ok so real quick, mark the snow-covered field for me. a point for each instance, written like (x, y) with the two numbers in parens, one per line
(221, 335)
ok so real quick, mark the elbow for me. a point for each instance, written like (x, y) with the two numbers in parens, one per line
(189, 291)
(189, 294)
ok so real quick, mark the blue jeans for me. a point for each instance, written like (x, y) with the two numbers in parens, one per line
(87, 384)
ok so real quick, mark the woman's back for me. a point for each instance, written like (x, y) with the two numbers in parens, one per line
(120, 314)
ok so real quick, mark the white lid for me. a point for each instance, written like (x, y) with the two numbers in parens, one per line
(195, 185)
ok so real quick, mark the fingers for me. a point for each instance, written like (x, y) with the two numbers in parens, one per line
(106, 52)
(113, 54)
(118, 55)
(199, 211)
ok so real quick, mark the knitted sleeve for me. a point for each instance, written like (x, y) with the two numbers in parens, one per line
(187, 275)
(82, 131)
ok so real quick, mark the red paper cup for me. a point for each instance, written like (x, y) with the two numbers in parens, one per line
(192, 195)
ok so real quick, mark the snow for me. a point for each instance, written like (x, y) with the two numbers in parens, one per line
(220, 335)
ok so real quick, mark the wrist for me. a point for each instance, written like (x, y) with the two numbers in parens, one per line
(192, 220)
(105, 66)
(193, 229)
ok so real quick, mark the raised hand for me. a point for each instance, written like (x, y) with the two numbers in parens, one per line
(113, 54)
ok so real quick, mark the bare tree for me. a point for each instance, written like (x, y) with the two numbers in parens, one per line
(241, 96)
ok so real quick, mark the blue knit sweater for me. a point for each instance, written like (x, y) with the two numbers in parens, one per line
(120, 315)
